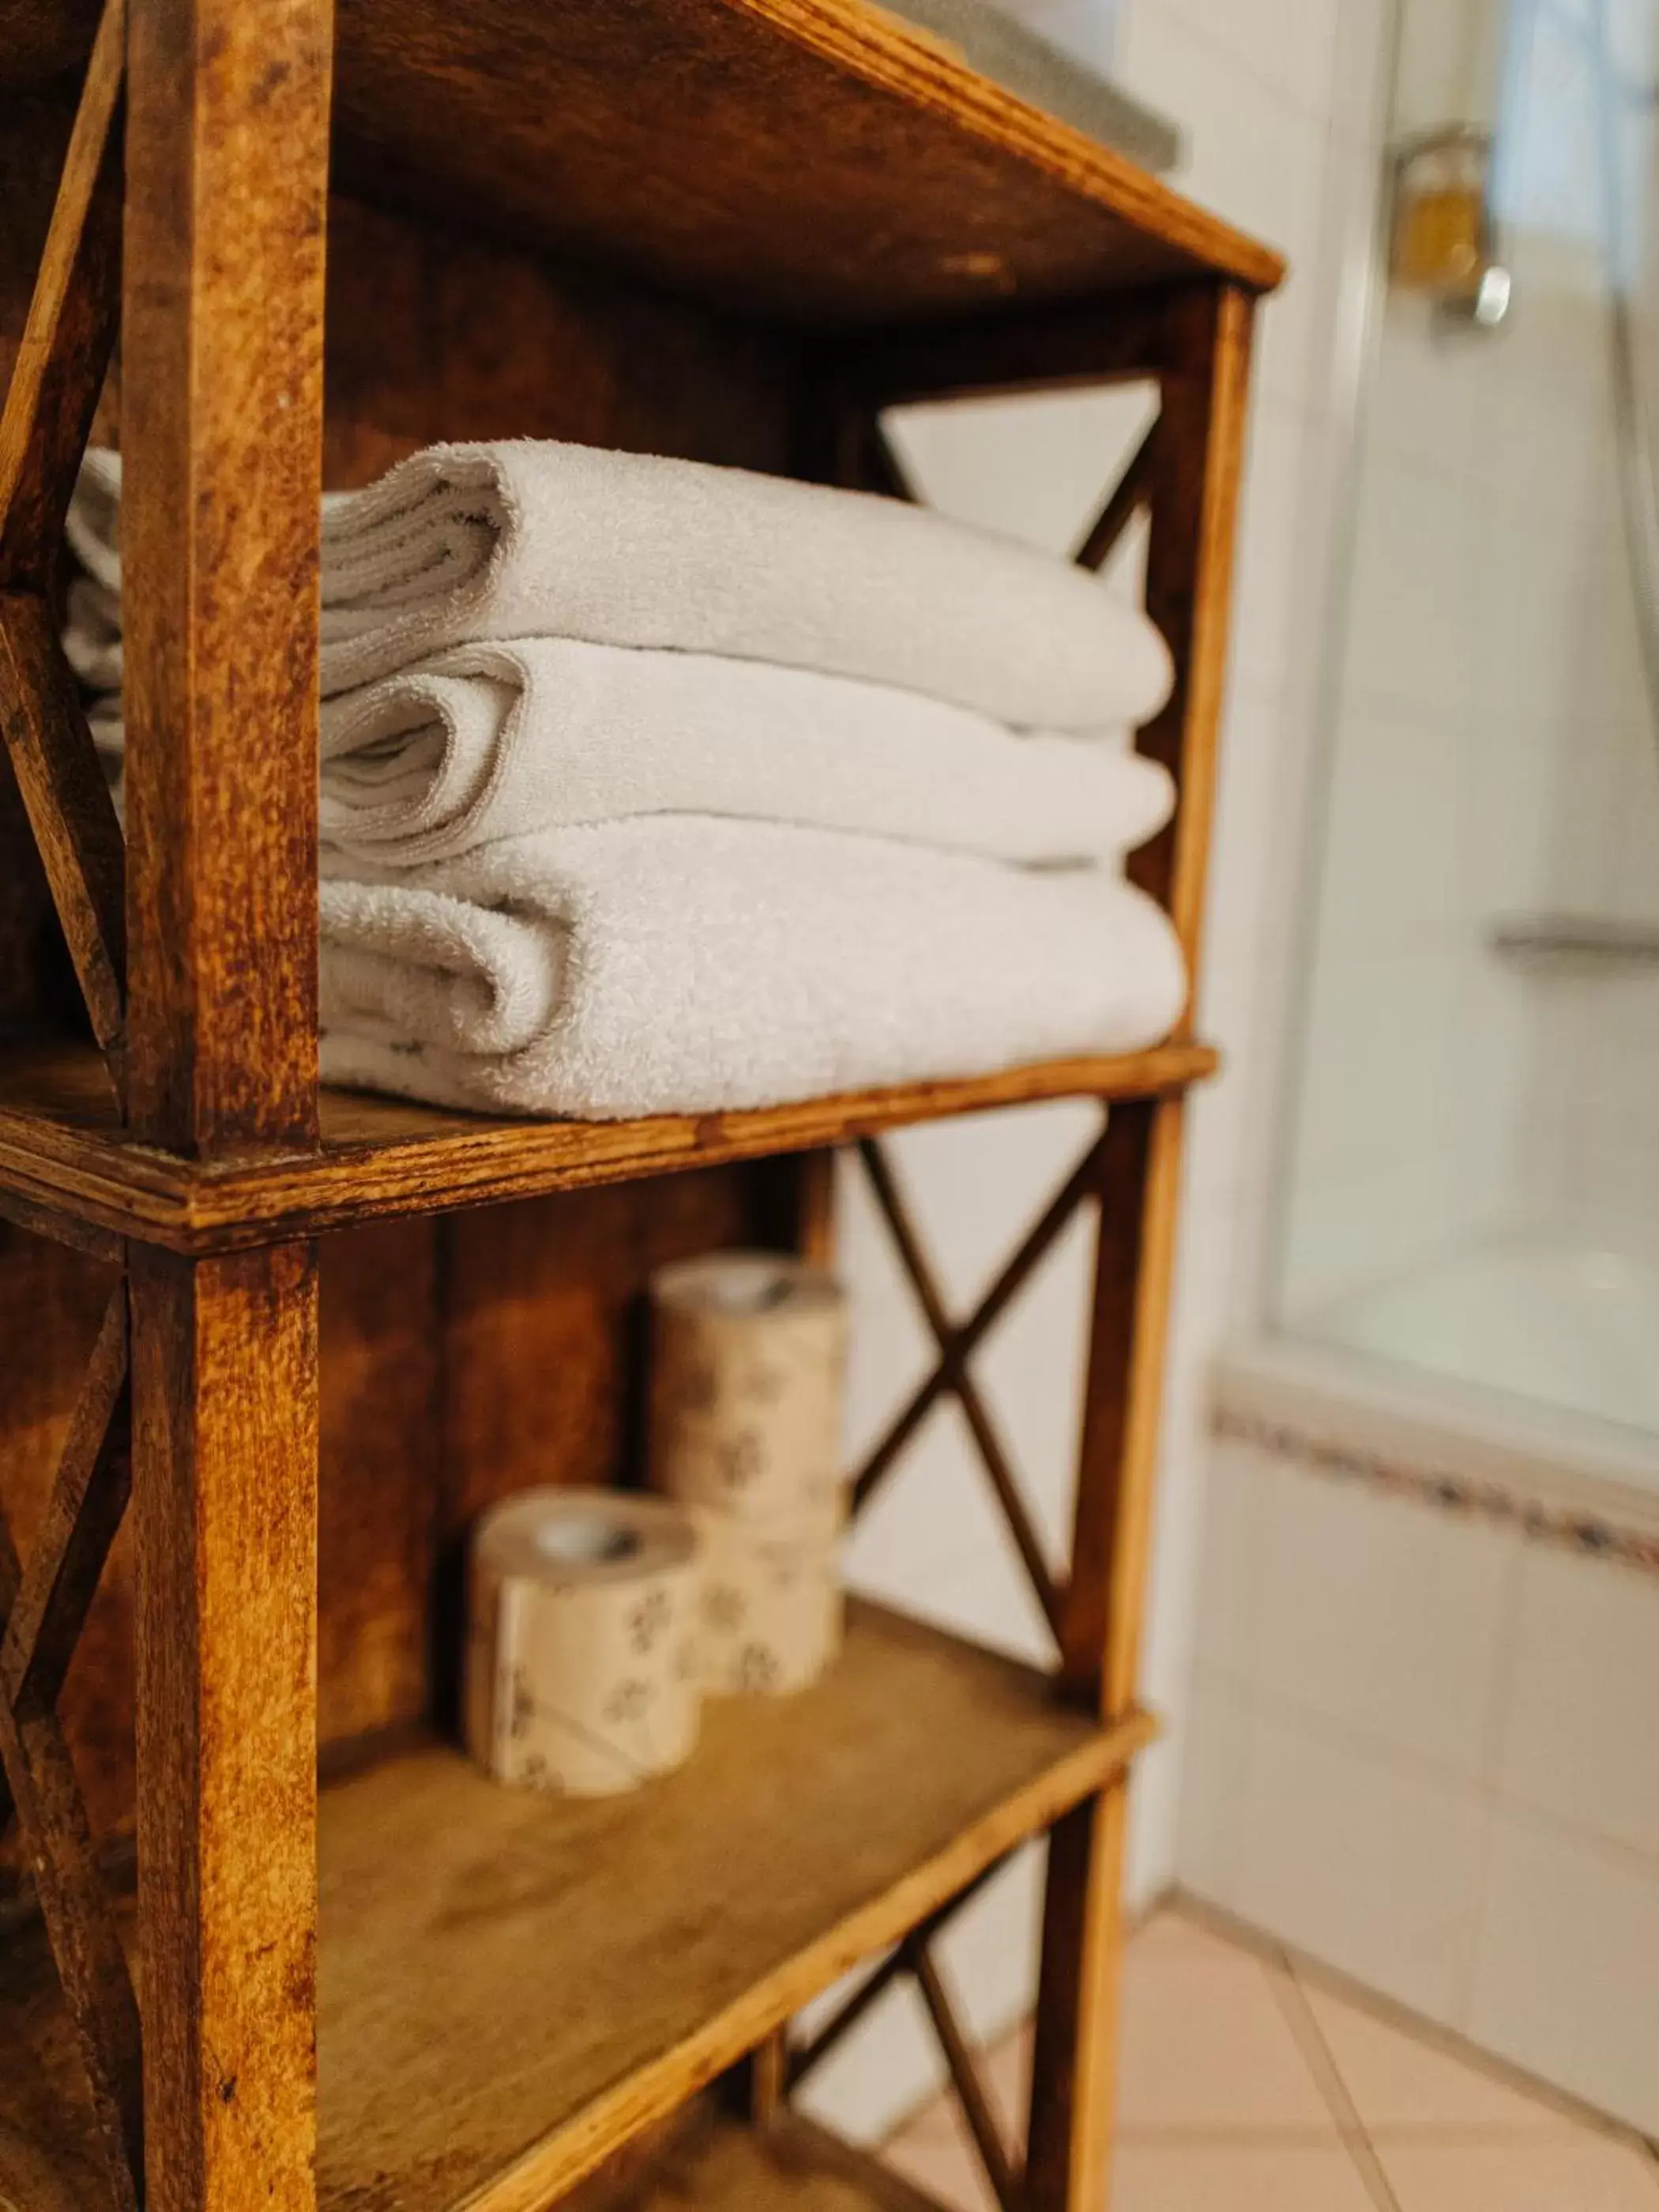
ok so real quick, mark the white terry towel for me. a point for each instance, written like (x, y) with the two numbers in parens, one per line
(528, 538)
(668, 965)
(496, 740)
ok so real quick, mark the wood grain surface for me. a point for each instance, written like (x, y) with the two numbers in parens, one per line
(36, 981)
(43, 1602)
(509, 1986)
(58, 370)
(714, 2164)
(667, 139)
(1193, 484)
(221, 443)
(731, 228)
(522, 1982)
(53, 1305)
(57, 373)
(436, 332)
(224, 1429)
(459, 1362)
(70, 813)
(61, 1147)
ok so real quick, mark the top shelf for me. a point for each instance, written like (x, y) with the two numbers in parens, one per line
(815, 162)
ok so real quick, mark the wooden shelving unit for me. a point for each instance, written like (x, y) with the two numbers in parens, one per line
(310, 1335)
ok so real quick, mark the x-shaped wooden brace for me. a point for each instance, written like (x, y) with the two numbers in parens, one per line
(915, 1956)
(42, 1612)
(49, 407)
(957, 1342)
(44, 427)
(879, 467)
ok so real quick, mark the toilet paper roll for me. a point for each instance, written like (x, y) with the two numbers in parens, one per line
(582, 1674)
(772, 1608)
(747, 1374)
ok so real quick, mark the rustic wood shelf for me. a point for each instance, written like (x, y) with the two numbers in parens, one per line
(62, 1146)
(718, 2165)
(509, 1995)
(269, 249)
(699, 144)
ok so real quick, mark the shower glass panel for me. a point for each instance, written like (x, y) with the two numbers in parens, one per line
(1474, 1185)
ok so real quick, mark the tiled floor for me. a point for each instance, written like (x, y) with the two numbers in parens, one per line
(1250, 2084)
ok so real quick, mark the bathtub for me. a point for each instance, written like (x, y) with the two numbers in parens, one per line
(1422, 1733)
(1575, 1329)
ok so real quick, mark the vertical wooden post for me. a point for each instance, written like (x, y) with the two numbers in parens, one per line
(222, 438)
(224, 1431)
(814, 1178)
(1204, 374)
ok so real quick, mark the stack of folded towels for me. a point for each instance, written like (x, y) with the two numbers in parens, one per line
(651, 786)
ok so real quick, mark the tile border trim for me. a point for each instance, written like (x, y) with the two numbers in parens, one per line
(1465, 1498)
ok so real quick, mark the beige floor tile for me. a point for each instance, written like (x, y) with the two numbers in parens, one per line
(1175, 1933)
(1206, 2048)
(1237, 2177)
(1400, 2082)
(1583, 2174)
(1270, 2176)
(935, 2153)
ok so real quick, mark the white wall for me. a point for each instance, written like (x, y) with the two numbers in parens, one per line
(1276, 96)
(1427, 1751)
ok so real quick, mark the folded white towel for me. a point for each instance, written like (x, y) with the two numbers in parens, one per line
(496, 740)
(463, 544)
(662, 965)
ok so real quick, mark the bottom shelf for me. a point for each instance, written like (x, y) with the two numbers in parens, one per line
(513, 1988)
(712, 2164)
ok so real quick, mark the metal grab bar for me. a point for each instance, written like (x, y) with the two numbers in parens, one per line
(1575, 939)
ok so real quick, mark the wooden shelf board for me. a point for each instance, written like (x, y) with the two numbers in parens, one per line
(511, 1988)
(62, 1151)
(716, 2164)
(697, 142)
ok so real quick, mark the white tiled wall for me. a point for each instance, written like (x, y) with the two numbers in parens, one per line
(1566, 1969)
(1424, 1749)
(1277, 98)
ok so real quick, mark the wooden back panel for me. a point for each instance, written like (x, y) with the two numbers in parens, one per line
(440, 334)
(462, 1359)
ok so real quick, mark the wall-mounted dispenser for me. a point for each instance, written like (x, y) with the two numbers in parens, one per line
(1443, 240)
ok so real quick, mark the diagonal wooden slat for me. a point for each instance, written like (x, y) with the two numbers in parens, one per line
(1134, 492)
(85, 1944)
(1077, 1186)
(70, 811)
(43, 1624)
(1004, 1480)
(70, 332)
(976, 2109)
(42, 1610)
(73, 317)
(847, 2016)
